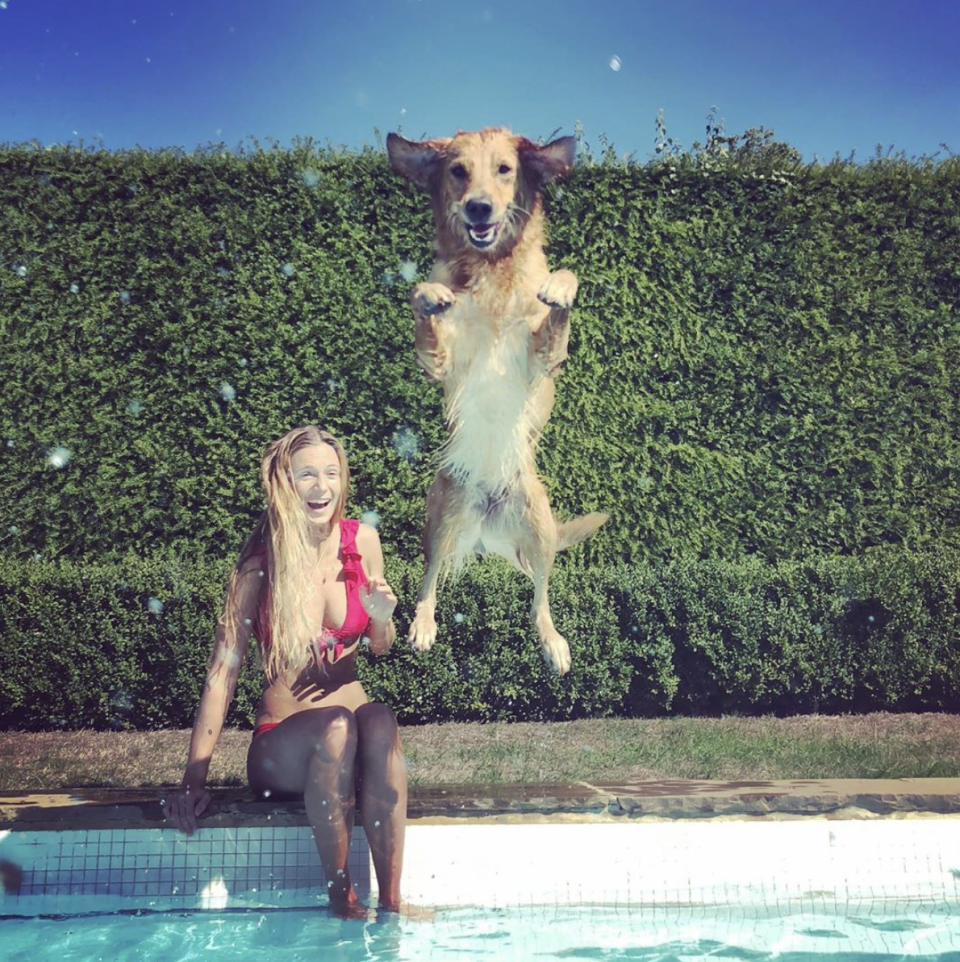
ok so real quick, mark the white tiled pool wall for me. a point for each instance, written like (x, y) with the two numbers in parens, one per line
(763, 867)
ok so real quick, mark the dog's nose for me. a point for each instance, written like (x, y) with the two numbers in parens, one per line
(478, 211)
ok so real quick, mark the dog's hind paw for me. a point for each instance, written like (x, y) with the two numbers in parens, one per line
(423, 630)
(559, 289)
(556, 651)
(429, 299)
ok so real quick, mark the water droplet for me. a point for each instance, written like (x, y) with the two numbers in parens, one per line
(247, 621)
(14, 529)
(458, 618)
(388, 278)
(74, 288)
(223, 272)
(267, 793)
(615, 63)
(58, 457)
(155, 606)
(10, 442)
(371, 518)
(330, 884)
(21, 271)
(406, 444)
(124, 297)
(242, 362)
(340, 872)
(310, 177)
(323, 802)
(227, 391)
(260, 573)
(408, 271)
(376, 824)
(134, 407)
(288, 270)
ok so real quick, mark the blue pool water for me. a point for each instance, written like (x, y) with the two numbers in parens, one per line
(923, 934)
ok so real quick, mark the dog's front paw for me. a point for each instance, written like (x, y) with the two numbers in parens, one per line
(423, 630)
(559, 289)
(556, 651)
(429, 299)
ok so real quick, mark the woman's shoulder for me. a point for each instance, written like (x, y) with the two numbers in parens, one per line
(366, 535)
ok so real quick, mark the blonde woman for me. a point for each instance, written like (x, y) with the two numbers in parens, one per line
(309, 585)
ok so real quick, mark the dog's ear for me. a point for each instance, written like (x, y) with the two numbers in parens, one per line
(416, 160)
(543, 164)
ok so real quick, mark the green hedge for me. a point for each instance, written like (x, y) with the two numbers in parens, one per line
(764, 354)
(88, 645)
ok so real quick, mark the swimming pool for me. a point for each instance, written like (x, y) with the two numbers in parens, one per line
(808, 889)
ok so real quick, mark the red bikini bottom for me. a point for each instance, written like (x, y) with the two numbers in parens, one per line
(265, 727)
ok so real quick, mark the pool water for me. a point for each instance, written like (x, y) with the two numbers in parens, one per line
(561, 934)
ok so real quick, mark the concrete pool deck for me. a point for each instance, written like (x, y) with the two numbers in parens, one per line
(99, 808)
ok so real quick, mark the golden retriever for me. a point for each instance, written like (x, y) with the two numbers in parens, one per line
(492, 325)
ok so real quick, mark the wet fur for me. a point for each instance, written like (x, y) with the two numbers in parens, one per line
(492, 325)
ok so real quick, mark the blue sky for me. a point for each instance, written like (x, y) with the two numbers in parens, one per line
(829, 76)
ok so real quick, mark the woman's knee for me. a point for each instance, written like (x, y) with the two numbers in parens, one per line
(334, 732)
(377, 727)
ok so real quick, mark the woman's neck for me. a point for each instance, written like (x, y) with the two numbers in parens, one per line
(319, 537)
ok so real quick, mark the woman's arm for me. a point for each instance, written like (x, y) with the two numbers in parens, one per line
(377, 596)
(229, 650)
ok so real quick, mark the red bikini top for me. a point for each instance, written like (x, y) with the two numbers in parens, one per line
(332, 641)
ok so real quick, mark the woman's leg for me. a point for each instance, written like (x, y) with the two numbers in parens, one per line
(382, 781)
(313, 753)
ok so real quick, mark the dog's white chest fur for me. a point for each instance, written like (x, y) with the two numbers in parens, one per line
(488, 392)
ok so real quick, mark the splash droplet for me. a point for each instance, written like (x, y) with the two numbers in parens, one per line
(58, 457)
(134, 408)
(371, 518)
(408, 271)
(155, 606)
(288, 270)
(74, 288)
(124, 297)
(406, 443)
(227, 391)
(615, 63)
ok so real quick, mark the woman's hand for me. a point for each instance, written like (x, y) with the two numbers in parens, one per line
(184, 806)
(378, 600)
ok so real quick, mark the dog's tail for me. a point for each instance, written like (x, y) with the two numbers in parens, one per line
(577, 530)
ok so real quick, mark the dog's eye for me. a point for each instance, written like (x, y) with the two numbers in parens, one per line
(459, 171)
(505, 169)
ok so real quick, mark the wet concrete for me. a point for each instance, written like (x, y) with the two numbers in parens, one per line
(673, 798)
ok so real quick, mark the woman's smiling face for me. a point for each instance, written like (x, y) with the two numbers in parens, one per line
(318, 479)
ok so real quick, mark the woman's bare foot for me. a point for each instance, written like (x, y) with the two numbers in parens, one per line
(346, 905)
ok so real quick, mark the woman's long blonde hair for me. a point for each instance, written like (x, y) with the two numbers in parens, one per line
(282, 534)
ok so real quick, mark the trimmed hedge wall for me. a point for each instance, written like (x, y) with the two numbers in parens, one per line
(125, 646)
(764, 354)
(762, 392)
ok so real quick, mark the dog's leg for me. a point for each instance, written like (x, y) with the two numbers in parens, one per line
(439, 541)
(549, 341)
(429, 300)
(536, 549)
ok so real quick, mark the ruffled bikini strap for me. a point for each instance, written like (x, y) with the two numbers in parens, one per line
(352, 561)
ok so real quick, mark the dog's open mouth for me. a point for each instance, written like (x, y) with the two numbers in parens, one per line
(483, 235)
